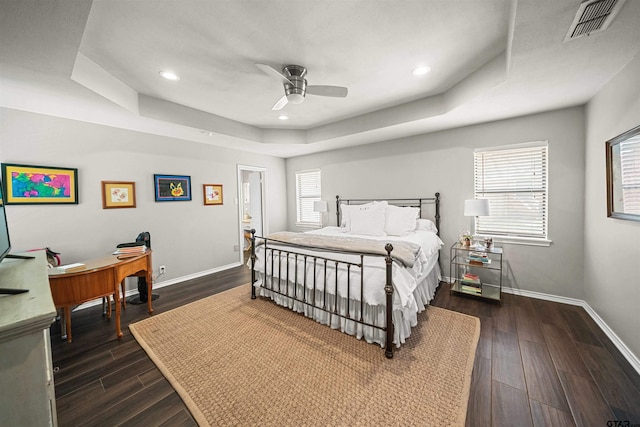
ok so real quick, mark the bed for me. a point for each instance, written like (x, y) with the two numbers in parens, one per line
(368, 276)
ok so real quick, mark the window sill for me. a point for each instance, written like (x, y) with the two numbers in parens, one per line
(519, 241)
(308, 225)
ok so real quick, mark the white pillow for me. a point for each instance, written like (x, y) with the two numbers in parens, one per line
(426, 224)
(400, 221)
(369, 219)
(345, 215)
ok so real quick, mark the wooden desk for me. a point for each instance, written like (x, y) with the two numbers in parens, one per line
(101, 278)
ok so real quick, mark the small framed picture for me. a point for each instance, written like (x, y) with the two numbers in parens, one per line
(118, 194)
(39, 185)
(212, 194)
(172, 188)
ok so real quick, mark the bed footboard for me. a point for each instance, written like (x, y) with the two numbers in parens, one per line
(311, 295)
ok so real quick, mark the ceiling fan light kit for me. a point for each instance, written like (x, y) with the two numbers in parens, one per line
(295, 85)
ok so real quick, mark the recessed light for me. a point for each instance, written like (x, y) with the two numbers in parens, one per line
(421, 70)
(207, 132)
(283, 117)
(169, 75)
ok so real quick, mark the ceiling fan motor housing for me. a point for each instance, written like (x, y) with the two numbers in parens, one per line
(296, 90)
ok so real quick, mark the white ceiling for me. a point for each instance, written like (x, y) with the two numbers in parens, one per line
(491, 59)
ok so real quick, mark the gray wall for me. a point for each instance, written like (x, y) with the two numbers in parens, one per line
(186, 237)
(612, 246)
(443, 161)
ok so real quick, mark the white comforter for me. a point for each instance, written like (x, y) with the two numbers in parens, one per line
(404, 279)
(412, 290)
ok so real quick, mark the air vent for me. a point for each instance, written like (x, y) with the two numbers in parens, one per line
(592, 16)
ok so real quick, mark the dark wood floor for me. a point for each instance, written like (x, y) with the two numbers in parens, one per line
(538, 363)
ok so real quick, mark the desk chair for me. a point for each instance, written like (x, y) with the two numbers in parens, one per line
(143, 294)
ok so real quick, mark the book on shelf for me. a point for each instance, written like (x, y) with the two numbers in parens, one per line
(474, 284)
(478, 258)
(474, 278)
(473, 289)
(70, 268)
(478, 254)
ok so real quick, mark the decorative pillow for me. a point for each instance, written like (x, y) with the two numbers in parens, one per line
(345, 215)
(400, 221)
(369, 219)
(426, 224)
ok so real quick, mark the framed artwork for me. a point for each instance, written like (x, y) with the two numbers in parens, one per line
(172, 188)
(212, 194)
(39, 185)
(118, 194)
(623, 180)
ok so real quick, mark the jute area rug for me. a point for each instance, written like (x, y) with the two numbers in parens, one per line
(237, 361)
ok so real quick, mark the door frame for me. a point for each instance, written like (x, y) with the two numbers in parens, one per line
(263, 171)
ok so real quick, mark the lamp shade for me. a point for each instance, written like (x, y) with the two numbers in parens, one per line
(476, 207)
(320, 206)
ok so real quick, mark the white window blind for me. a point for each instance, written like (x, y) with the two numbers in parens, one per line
(308, 190)
(514, 179)
(630, 171)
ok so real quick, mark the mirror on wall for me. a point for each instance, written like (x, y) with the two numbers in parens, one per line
(623, 175)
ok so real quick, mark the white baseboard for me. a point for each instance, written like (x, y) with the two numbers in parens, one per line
(192, 276)
(159, 285)
(620, 345)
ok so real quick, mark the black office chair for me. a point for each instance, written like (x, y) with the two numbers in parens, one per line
(143, 294)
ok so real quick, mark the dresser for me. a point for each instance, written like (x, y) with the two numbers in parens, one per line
(27, 395)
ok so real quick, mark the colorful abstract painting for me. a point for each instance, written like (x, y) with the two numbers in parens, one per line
(25, 184)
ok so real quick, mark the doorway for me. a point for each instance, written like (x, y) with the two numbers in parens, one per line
(251, 206)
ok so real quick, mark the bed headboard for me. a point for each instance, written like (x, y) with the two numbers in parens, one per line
(419, 203)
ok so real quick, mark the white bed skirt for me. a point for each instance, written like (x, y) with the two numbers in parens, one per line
(404, 318)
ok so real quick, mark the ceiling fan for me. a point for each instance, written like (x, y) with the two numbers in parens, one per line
(295, 85)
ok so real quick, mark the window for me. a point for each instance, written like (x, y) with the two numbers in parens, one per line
(623, 176)
(514, 180)
(630, 172)
(307, 191)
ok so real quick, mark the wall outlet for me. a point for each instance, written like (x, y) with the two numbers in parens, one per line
(236, 248)
(162, 269)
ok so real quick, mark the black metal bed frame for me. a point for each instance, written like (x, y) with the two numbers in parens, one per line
(292, 255)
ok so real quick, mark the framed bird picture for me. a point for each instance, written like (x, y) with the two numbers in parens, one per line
(172, 188)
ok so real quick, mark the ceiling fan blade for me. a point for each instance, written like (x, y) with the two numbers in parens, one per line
(335, 91)
(280, 104)
(269, 70)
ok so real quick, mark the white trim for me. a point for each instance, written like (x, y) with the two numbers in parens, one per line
(543, 296)
(265, 231)
(541, 143)
(519, 240)
(633, 360)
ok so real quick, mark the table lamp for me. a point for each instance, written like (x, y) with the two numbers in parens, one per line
(322, 207)
(476, 208)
